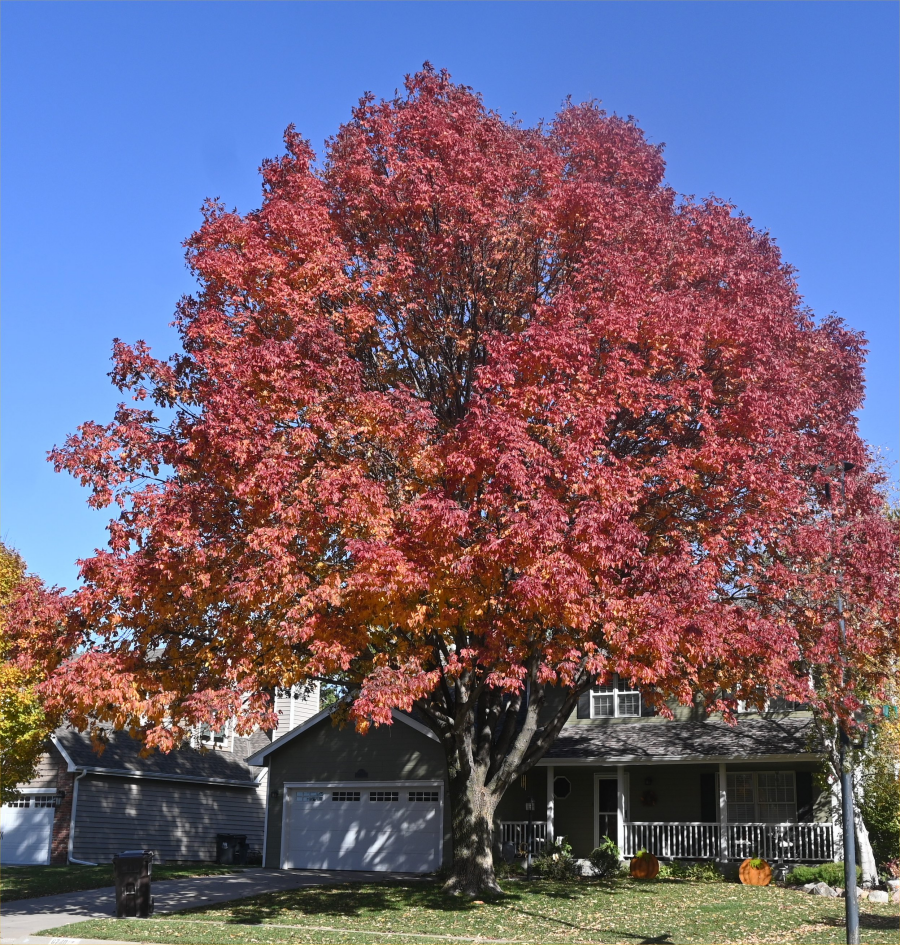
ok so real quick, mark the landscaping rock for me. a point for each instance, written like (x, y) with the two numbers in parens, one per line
(893, 885)
(808, 887)
(823, 889)
(895, 896)
(878, 895)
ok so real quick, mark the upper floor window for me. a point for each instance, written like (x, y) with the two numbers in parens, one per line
(615, 699)
(221, 739)
(773, 704)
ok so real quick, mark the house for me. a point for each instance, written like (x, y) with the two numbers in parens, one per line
(692, 787)
(85, 807)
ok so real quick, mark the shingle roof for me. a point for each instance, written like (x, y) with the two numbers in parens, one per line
(657, 740)
(122, 754)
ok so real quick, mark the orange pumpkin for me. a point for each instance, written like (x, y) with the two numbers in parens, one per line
(755, 875)
(644, 866)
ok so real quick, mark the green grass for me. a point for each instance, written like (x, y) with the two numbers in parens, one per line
(27, 882)
(668, 911)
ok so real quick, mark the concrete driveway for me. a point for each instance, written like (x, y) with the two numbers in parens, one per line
(23, 921)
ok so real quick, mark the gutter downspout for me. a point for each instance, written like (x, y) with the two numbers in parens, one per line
(71, 858)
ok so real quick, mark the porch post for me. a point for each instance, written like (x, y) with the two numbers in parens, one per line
(723, 813)
(620, 805)
(550, 812)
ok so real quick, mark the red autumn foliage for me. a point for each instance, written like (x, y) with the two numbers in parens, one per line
(473, 411)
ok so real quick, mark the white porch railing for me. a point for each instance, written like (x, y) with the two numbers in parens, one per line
(689, 841)
(789, 842)
(517, 832)
(698, 841)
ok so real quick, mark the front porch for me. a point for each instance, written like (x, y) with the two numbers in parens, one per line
(768, 809)
(788, 843)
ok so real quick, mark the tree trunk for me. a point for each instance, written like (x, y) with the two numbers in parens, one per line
(865, 856)
(472, 808)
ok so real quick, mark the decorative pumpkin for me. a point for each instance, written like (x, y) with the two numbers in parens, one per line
(644, 865)
(755, 872)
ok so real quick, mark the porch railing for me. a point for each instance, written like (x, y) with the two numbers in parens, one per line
(698, 841)
(788, 842)
(522, 834)
(690, 841)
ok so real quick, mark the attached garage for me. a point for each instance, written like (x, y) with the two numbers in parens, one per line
(341, 800)
(26, 830)
(389, 825)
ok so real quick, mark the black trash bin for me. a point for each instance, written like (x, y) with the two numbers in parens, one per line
(231, 849)
(132, 871)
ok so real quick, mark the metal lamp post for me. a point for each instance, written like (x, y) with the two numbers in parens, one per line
(847, 814)
(529, 806)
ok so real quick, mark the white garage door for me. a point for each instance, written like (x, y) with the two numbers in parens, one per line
(374, 826)
(26, 829)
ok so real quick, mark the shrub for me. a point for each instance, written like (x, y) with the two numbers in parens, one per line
(831, 873)
(557, 862)
(605, 859)
(702, 871)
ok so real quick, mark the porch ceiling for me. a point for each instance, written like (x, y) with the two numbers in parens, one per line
(658, 741)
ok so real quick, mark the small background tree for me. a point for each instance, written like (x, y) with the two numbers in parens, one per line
(25, 723)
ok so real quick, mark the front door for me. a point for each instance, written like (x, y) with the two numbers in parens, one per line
(608, 798)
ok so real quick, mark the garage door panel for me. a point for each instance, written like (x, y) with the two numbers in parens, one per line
(377, 828)
(25, 834)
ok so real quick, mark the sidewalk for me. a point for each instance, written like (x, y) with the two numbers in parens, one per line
(22, 921)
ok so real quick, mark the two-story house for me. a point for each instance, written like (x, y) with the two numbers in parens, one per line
(692, 787)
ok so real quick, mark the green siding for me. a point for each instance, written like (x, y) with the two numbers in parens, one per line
(327, 753)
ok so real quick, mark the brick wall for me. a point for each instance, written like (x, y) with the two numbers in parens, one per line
(51, 773)
(65, 785)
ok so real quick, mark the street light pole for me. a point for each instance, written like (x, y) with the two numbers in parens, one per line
(851, 904)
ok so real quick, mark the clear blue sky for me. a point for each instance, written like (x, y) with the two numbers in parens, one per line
(118, 119)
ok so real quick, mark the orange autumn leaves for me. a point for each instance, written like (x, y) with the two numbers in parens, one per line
(468, 398)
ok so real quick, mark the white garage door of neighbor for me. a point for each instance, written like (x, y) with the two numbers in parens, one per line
(389, 825)
(26, 828)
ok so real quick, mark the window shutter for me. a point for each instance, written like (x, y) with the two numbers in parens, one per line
(709, 803)
(804, 796)
(584, 706)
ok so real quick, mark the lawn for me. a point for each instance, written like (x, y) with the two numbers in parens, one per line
(667, 911)
(27, 882)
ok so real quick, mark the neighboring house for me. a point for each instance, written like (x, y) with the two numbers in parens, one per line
(691, 787)
(85, 807)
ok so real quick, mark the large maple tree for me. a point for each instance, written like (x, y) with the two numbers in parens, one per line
(468, 417)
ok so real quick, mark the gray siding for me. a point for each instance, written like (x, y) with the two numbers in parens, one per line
(327, 753)
(294, 707)
(46, 772)
(177, 820)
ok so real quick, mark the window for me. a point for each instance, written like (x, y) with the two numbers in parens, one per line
(18, 802)
(429, 797)
(47, 800)
(384, 796)
(309, 797)
(615, 699)
(761, 797)
(345, 795)
(562, 787)
(221, 739)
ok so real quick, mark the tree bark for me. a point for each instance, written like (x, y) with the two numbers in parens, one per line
(490, 738)
(865, 856)
(472, 813)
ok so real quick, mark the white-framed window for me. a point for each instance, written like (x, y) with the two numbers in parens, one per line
(761, 797)
(218, 739)
(615, 699)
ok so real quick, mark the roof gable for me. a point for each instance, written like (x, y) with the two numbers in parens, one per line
(257, 758)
